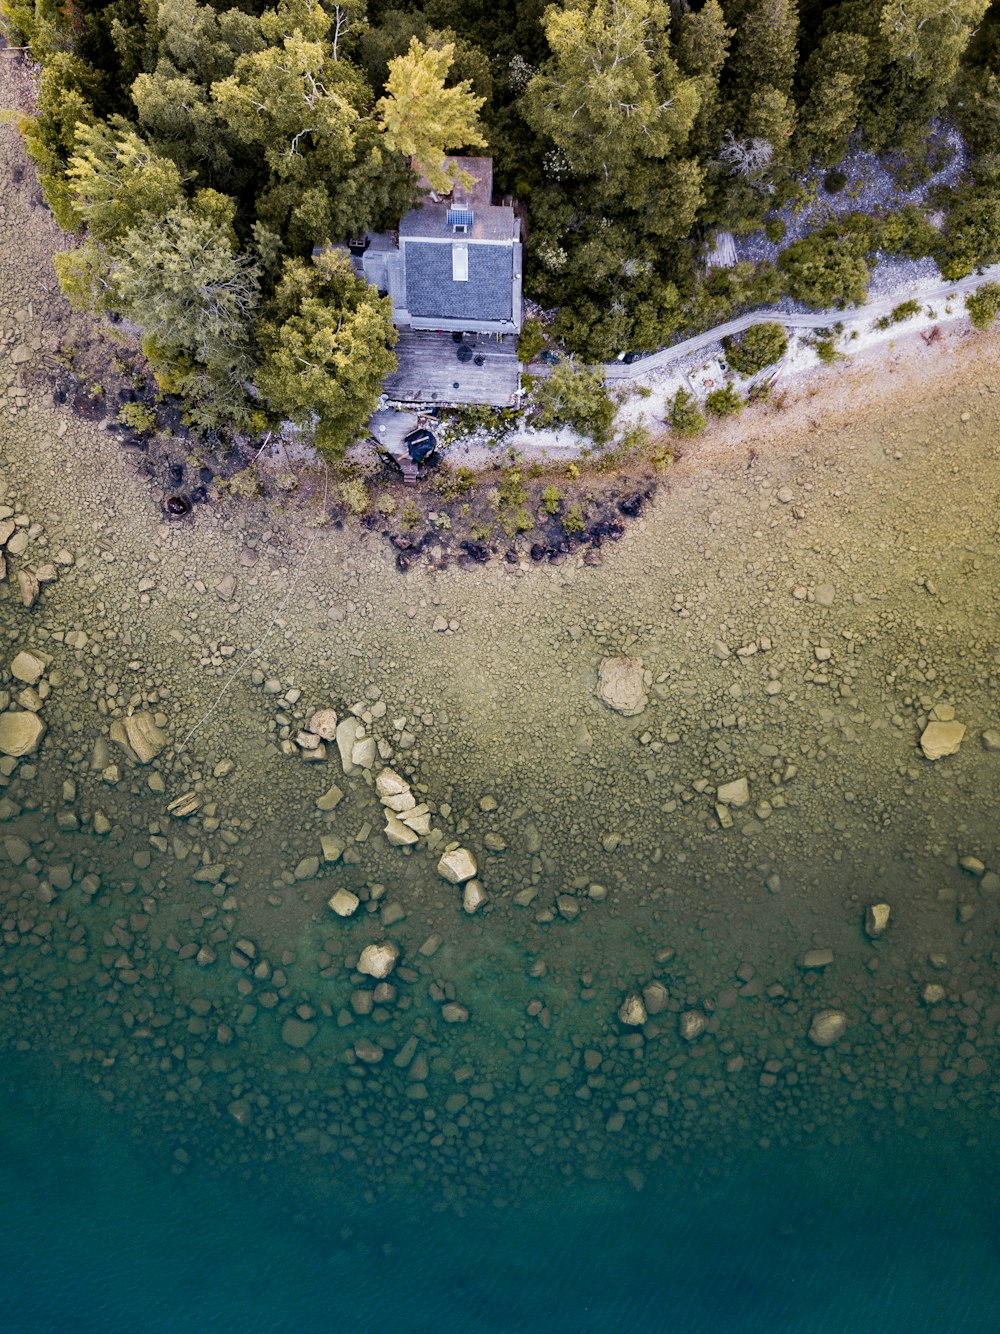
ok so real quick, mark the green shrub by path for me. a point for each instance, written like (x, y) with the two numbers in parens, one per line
(574, 396)
(983, 305)
(552, 500)
(898, 314)
(684, 415)
(725, 402)
(829, 267)
(761, 345)
(531, 340)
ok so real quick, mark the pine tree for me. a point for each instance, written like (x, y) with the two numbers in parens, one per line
(422, 118)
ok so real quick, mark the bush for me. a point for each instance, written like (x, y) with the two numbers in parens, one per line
(725, 402)
(552, 499)
(575, 396)
(760, 346)
(827, 268)
(898, 314)
(573, 520)
(983, 305)
(684, 415)
(826, 350)
(531, 341)
(972, 234)
(355, 495)
(774, 230)
(834, 181)
(137, 415)
(908, 232)
(455, 483)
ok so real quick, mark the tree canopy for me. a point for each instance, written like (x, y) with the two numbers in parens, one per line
(630, 130)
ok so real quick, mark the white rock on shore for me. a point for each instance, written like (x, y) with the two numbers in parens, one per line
(941, 738)
(457, 866)
(20, 733)
(621, 687)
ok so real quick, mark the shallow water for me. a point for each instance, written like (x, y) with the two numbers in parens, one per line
(170, 1160)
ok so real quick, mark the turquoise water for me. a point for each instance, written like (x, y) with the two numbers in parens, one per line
(94, 1236)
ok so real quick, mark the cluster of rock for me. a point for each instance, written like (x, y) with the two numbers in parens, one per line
(406, 819)
(21, 728)
(17, 532)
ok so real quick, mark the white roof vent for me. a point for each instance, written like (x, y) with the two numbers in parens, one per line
(460, 263)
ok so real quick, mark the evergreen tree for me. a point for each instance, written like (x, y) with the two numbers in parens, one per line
(422, 118)
(325, 348)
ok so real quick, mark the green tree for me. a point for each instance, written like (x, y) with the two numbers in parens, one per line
(612, 95)
(684, 415)
(116, 181)
(828, 268)
(422, 118)
(835, 74)
(761, 345)
(325, 348)
(575, 396)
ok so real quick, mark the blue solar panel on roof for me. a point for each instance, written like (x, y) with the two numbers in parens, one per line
(460, 217)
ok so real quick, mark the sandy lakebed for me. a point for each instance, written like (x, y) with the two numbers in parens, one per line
(810, 589)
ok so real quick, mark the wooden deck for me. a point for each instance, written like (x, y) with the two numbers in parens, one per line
(431, 373)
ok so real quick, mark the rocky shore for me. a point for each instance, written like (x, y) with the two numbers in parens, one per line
(570, 868)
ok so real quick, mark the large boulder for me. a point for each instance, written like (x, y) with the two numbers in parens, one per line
(941, 738)
(28, 667)
(144, 737)
(457, 866)
(379, 960)
(20, 733)
(620, 685)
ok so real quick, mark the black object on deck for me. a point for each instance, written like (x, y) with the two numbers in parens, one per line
(420, 444)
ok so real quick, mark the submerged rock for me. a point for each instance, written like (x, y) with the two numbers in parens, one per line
(632, 1010)
(379, 960)
(827, 1027)
(144, 737)
(876, 919)
(621, 687)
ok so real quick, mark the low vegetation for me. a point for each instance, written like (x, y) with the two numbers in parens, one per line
(760, 346)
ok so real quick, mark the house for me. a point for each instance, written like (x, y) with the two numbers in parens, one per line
(453, 271)
(456, 265)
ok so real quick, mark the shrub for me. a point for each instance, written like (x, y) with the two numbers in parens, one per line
(774, 230)
(355, 495)
(828, 268)
(826, 350)
(972, 234)
(573, 520)
(983, 305)
(725, 402)
(898, 314)
(531, 341)
(760, 346)
(552, 499)
(137, 415)
(834, 181)
(575, 396)
(453, 483)
(909, 232)
(684, 415)
(410, 517)
(662, 457)
(245, 485)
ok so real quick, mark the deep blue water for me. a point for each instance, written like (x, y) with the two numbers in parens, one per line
(96, 1236)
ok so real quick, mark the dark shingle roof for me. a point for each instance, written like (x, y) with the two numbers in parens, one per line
(431, 292)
